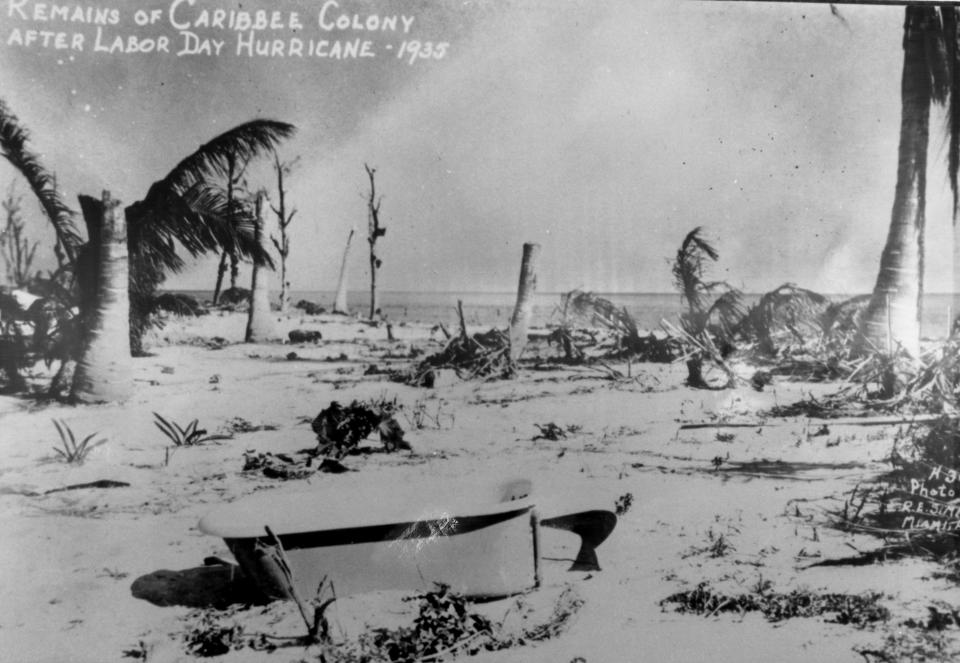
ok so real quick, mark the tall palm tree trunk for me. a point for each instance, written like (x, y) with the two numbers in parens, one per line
(893, 316)
(260, 325)
(104, 371)
(340, 303)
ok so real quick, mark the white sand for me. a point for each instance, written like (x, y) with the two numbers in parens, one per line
(81, 572)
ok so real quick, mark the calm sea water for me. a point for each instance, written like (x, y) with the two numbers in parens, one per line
(494, 308)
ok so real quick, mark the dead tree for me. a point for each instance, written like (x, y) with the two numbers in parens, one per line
(282, 169)
(340, 303)
(18, 254)
(374, 232)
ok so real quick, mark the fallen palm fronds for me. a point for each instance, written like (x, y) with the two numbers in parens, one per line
(785, 320)
(580, 309)
(890, 383)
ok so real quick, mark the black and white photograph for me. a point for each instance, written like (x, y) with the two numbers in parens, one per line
(552, 331)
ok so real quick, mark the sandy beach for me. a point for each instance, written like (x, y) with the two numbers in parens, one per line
(102, 574)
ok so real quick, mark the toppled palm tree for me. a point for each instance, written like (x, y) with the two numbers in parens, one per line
(787, 318)
(714, 309)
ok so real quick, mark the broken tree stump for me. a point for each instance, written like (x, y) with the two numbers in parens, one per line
(523, 311)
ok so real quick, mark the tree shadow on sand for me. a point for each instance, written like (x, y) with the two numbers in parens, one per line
(217, 587)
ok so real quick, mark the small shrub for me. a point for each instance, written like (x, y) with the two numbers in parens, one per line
(623, 504)
(340, 429)
(188, 436)
(444, 625)
(72, 451)
(209, 636)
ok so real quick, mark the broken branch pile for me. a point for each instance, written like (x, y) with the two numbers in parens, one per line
(483, 355)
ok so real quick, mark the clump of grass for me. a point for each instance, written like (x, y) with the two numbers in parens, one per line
(71, 451)
(188, 436)
(419, 416)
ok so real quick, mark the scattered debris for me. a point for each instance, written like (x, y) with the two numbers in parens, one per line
(549, 431)
(241, 425)
(483, 355)
(101, 483)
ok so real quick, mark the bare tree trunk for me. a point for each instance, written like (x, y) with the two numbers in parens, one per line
(894, 308)
(523, 311)
(375, 231)
(260, 325)
(104, 371)
(221, 270)
(283, 222)
(340, 304)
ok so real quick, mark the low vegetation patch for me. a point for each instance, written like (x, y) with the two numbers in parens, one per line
(72, 451)
(445, 626)
(185, 436)
(856, 609)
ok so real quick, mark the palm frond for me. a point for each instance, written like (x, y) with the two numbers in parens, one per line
(688, 269)
(242, 143)
(13, 145)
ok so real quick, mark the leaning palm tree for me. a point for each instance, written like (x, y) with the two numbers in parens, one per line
(931, 74)
(13, 146)
(186, 209)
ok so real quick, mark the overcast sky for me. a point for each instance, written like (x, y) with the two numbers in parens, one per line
(602, 130)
